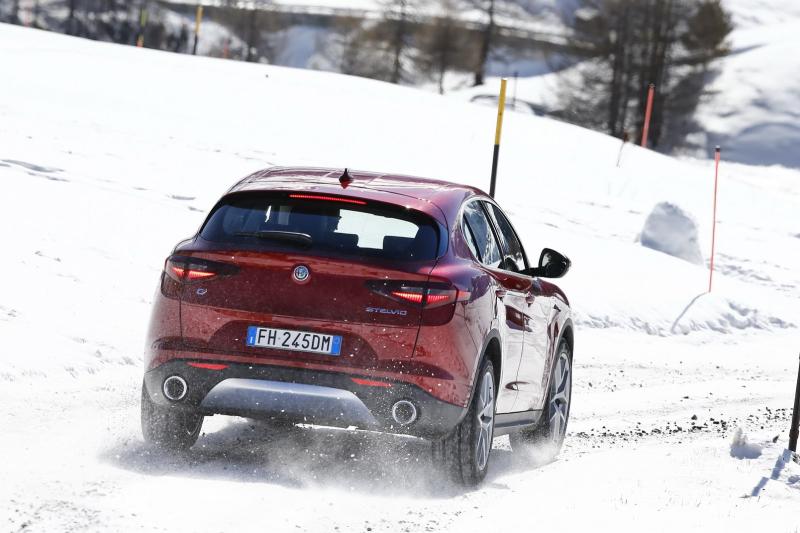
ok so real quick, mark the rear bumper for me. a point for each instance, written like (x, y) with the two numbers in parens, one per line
(304, 396)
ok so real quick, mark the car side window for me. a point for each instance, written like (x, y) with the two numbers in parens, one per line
(468, 236)
(511, 245)
(484, 240)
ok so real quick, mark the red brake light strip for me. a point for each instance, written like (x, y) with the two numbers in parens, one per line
(414, 297)
(208, 366)
(192, 274)
(327, 198)
(439, 298)
(370, 382)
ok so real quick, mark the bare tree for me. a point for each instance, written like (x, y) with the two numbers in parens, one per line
(444, 45)
(397, 29)
(486, 39)
(252, 35)
(71, 26)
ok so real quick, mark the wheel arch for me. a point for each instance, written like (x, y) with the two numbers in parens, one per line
(568, 335)
(492, 350)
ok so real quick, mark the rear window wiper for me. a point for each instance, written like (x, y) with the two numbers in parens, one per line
(291, 237)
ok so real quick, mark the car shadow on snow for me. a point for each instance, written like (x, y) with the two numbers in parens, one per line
(309, 457)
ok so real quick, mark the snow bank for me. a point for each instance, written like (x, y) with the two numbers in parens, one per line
(741, 448)
(671, 230)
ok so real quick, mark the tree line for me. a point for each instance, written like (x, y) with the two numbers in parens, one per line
(629, 45)
(613, 49)
(401, 45)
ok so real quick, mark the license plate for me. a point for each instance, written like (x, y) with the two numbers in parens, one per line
(298, 341)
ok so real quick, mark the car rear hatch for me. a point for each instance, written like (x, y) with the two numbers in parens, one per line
(320, 267)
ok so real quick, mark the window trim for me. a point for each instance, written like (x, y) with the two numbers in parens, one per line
(489, 219)
(504, 244)
(466, 228)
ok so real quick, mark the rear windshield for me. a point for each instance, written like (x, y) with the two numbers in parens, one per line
(279, 222)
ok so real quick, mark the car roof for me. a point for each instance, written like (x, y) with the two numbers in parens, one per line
(437, 198)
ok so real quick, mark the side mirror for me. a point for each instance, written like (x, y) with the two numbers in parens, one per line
(551, 265)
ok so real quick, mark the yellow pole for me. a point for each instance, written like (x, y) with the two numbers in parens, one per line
(501, 109)
(197, 21)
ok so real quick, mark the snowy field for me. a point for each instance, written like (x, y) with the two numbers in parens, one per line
(109, 155)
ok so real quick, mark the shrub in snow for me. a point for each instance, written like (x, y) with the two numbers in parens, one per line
(671, 230)
(741, 449)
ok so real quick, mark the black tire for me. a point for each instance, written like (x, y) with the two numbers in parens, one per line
(548, 435)
(169, 428)
(462, 453)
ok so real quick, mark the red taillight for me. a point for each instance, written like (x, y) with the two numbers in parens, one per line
(437, 297)
(185, 269)
(428, 297)
(409, 295)
(327, 198)
(370, 383)
(191, 275)
(436, 300)
(208, 366)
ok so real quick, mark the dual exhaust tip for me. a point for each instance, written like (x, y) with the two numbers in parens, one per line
(175, 388)
(404, 412)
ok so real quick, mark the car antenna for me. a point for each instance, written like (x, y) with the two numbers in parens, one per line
(345, 179)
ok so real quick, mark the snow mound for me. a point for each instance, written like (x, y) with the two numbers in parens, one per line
(741, 448)
(671, 230)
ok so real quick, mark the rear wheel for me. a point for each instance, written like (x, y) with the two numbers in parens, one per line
(169, 428)
(548, 435)
(464, 454)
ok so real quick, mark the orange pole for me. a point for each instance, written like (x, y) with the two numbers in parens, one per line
(717, 157)
(648, 113)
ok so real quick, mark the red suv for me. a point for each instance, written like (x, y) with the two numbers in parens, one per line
(361, 300)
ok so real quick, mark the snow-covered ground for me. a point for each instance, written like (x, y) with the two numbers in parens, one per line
(109, 155)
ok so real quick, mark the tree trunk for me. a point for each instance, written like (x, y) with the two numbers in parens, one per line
(399, 44)
(251, 37)
(660, 64)
(486, 47)
(71, 18)
(617, 103)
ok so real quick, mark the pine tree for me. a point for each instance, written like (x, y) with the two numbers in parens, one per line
(629, 45)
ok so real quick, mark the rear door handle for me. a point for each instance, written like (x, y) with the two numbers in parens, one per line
(529, 299)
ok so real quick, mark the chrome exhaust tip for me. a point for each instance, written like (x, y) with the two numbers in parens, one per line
(404, 412)
(175, 388)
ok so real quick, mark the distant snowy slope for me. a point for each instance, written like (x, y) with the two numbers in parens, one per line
(761, 13)
(753, 109)
(752, 106)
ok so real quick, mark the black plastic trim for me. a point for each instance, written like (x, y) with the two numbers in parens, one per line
(436, 417)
